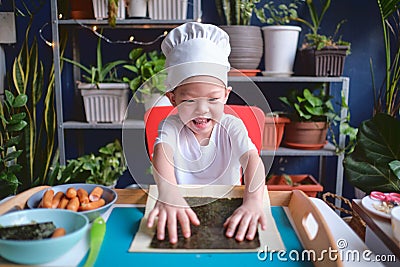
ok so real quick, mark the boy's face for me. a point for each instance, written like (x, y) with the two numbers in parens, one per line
(200, 101)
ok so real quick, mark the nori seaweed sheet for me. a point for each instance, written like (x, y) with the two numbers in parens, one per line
(210, 234)
(33, 231)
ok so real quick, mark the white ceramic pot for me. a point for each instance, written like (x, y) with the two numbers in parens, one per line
(100, 8)
(280, 46)
(107, 103)
(136, 8)
(155, 100)
(168, 9)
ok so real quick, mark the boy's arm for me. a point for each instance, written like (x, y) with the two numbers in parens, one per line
(171, 207)
(247, 217)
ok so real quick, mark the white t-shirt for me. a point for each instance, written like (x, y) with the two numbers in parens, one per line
(215, 163)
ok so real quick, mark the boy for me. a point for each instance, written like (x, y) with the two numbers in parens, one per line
(201, 145)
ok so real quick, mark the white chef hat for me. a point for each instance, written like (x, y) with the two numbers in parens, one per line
(194, 49)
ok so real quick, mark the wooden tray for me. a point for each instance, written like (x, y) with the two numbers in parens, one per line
(302, 211)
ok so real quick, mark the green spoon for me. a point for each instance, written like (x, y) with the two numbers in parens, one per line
(96, 238)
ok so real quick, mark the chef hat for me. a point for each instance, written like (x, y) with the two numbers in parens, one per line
(194, 49)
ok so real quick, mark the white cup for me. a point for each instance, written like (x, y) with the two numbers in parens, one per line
(395, 218)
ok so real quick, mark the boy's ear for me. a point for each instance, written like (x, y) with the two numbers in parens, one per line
(227, 92)
(171, 97)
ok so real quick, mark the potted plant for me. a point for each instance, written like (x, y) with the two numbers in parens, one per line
(11, 127)
(321, 55)
(105, 97)
(109, 9)
(375, 162)
(148, 81)
(280, 39)
(304, 182)
(310, 114)
(136, 9)
(245, 39)
(103, 168)
(167, 9)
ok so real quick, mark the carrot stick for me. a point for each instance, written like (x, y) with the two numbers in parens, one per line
(96, 193)
(48, 198)
(73, 204)
(83, 196)
(93, 205)
(56, 200)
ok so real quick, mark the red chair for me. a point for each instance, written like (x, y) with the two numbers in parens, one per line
(252, 117)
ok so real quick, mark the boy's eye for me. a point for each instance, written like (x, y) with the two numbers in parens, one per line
(188, 101)
(213, 99)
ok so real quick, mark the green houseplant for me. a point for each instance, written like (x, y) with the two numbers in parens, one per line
(245, 39)
(321, 55)
(103, 168)
(148, 80)
(375, 162)
(11, 127)
(32, 82)
(312, 114)
(102, 85)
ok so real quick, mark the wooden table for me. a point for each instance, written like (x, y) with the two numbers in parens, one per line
(136, 196)
(380, 226)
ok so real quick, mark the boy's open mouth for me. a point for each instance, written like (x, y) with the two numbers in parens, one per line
(201, 121)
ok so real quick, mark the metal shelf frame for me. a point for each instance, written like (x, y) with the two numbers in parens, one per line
(328, 150)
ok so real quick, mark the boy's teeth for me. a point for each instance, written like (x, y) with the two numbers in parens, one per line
(200, 120)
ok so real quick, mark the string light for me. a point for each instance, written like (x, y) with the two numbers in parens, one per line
(131, 39)
(93, 29)
(42, 37)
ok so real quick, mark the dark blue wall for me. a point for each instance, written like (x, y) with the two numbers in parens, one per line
(362, 29)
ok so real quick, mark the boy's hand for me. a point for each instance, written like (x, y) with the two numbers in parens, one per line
(169, 216)
(245, 219)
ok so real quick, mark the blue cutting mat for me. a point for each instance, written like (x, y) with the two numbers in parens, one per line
(123, 224)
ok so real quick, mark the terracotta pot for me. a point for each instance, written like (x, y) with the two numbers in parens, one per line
(273, 132)
(304, 182)
(242, 72)
(81, 9)
(306, 135)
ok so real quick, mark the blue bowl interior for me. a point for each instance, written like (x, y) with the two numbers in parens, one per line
(109, 196)
(45, 250)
